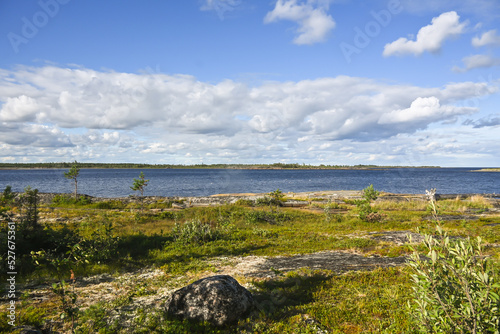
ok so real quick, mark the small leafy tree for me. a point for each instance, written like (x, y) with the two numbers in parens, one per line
(7, 195)
(139, 185)
(29, 210)
(277, 197)
(73, 174)
(370, 194)
(365, 210)
(68, 298)
(454, 290)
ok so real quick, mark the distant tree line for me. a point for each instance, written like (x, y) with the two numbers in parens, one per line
(278, 165)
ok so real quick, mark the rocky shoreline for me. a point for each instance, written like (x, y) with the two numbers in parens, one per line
(297, 199)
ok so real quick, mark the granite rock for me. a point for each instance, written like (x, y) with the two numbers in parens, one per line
(218, 299)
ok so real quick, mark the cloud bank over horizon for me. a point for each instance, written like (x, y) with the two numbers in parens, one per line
(387, 82)
(106, 115)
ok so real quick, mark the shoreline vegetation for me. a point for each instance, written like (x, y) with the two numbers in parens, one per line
(315, 262)
(279, 165)
(488, 170)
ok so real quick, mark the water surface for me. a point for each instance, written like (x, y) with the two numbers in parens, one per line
(203, 182)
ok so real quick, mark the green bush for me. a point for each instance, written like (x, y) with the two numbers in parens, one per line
(245, 202)
(7, 196)
(329, 215)
(454, 290)
(195, 231)
(365, 210)
(100, 245)
(267, 201)
(108, 205)
(273, 217)
(65, 200)
(168, 215)
(370, 194)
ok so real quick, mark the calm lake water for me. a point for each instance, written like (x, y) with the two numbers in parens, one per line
(203, 182)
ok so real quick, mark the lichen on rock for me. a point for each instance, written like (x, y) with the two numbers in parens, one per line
(218, 299)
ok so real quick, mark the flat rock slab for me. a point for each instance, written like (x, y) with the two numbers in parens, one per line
(335, 261)
(451, 217)
(397, 237)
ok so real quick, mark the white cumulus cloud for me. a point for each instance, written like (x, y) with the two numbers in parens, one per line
(424, 110)
(18, 109)
(70, 113)
(487, 38)
(429, 38)
(477, 61)
(311, 16)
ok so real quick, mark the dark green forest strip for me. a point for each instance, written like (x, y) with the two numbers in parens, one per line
(197, 166)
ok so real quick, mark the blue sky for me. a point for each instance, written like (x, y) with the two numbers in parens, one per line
(398, 82)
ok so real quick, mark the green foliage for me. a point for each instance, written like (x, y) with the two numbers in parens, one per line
(59, 262)
(320, 302)
(329, 215)
(274, 198)
(277, 195)
(100, 245)
(29, 210)
(72, 174)
(195, 231)
(7, 196)
(96, 319)
(60, 250)
(270, 217)
(454, 290)
(67, 299)
(365, 210)
(65, 200)
(168, 215)
(245, 202)
(140, 184)
(305, 301)
(370, 194)
(108, 205)
(263, 233)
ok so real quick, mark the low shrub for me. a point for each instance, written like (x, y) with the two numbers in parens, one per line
(245, 202)
(195, 231)
(263, 233)
(329, 215)
(375, 217)
(168, 215)
(108, 205)
(66, 200)
(272, 217)
(454, 291)
(267, 201)
(7, 196)
(365, 210)
(370, 194)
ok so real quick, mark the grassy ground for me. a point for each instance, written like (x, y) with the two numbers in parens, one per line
(122, 243)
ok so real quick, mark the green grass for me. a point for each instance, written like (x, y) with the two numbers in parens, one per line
(298, 302)
(352, 303)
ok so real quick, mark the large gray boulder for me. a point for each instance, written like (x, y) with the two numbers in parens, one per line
(218, 299)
